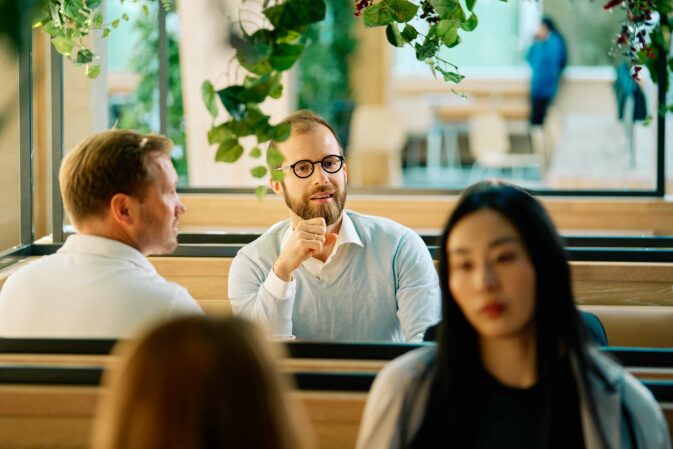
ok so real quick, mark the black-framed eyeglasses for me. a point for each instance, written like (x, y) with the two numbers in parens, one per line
(304, 168)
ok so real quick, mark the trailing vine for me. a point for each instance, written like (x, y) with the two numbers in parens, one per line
(645, 38)
(70, 22)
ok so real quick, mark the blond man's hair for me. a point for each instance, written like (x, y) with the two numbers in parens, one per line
(105, 164)
(305, 122)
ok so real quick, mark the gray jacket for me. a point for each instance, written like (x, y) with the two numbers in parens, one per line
(614, 388)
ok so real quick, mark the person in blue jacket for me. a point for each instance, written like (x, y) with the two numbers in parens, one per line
(547, 58)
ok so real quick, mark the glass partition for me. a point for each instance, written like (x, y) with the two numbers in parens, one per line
(600, 130)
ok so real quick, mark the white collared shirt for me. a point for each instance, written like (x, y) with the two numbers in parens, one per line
(92, 287)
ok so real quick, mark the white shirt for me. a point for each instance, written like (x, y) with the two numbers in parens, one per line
(92, 287)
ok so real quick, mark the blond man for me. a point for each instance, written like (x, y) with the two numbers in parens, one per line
(119, 190)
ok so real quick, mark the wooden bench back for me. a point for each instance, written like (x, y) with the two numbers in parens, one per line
(430, 212)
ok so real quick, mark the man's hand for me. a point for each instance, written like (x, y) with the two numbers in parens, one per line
(306, 241)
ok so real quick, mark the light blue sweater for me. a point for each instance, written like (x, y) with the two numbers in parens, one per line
(385, 290)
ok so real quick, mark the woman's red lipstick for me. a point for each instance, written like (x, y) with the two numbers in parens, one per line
(493, 310)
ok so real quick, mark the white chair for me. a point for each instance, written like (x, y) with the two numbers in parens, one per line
(377, 136)
(490, 147)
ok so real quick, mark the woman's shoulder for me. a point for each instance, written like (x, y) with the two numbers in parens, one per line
(379, 428)
(407, 368)
(644, 411)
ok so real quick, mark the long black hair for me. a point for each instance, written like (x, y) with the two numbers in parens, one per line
(558, 325)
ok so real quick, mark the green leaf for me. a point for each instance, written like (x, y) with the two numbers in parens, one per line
(257, 89)
(230, 98)
(447, 31)
(255, 153)
(378, 14)
(274, 159)
(470, 4)
(146, 10)
(253, 52)
(115, 23)
(403, 10)
(393, 35)
(452, 77)
(84, 56)
(106, 32)
(456, 42)
(278, 175)
(208, 96)
(62, 45)
(281, 132)
(283, 56)
(409, 33)
(259, 171)
(229, 151)
(97, 19)
(220, 134)
(296, 14)
(40, 22)
(260, 192)
(92, 70)
(125, 17)
(287, 36)
(428, 48)
(447, 9)
(276, 91)
(93, 4)
(471, 23)
(258, 123)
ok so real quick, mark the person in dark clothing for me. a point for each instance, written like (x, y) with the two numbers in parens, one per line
(513, 367)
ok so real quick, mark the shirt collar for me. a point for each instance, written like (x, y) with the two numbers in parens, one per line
(347, 233)
(104, 247)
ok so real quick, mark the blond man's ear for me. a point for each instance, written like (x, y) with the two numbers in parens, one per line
(122, 209)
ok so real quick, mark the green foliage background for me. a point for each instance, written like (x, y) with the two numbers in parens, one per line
(143, 106)
(324, 76)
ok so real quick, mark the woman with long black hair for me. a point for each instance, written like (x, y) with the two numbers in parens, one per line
(512, 368)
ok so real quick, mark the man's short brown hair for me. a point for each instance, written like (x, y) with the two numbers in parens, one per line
(105, 164)
(304, 122)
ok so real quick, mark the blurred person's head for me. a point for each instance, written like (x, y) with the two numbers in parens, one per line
(315, 174)
(197, 383)
(122, 185)
(546, 26)
(501, 254)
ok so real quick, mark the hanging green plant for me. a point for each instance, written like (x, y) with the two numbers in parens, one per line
(267, 52)
(70, 22)
(264, 54)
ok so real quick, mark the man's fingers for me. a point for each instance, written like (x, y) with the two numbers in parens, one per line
(320, 221)
(312, 247)
(308, 236)
(313, 229)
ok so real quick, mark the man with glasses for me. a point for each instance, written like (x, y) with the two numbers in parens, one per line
(329, 273)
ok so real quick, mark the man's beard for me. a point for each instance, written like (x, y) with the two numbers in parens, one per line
(330, 211)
